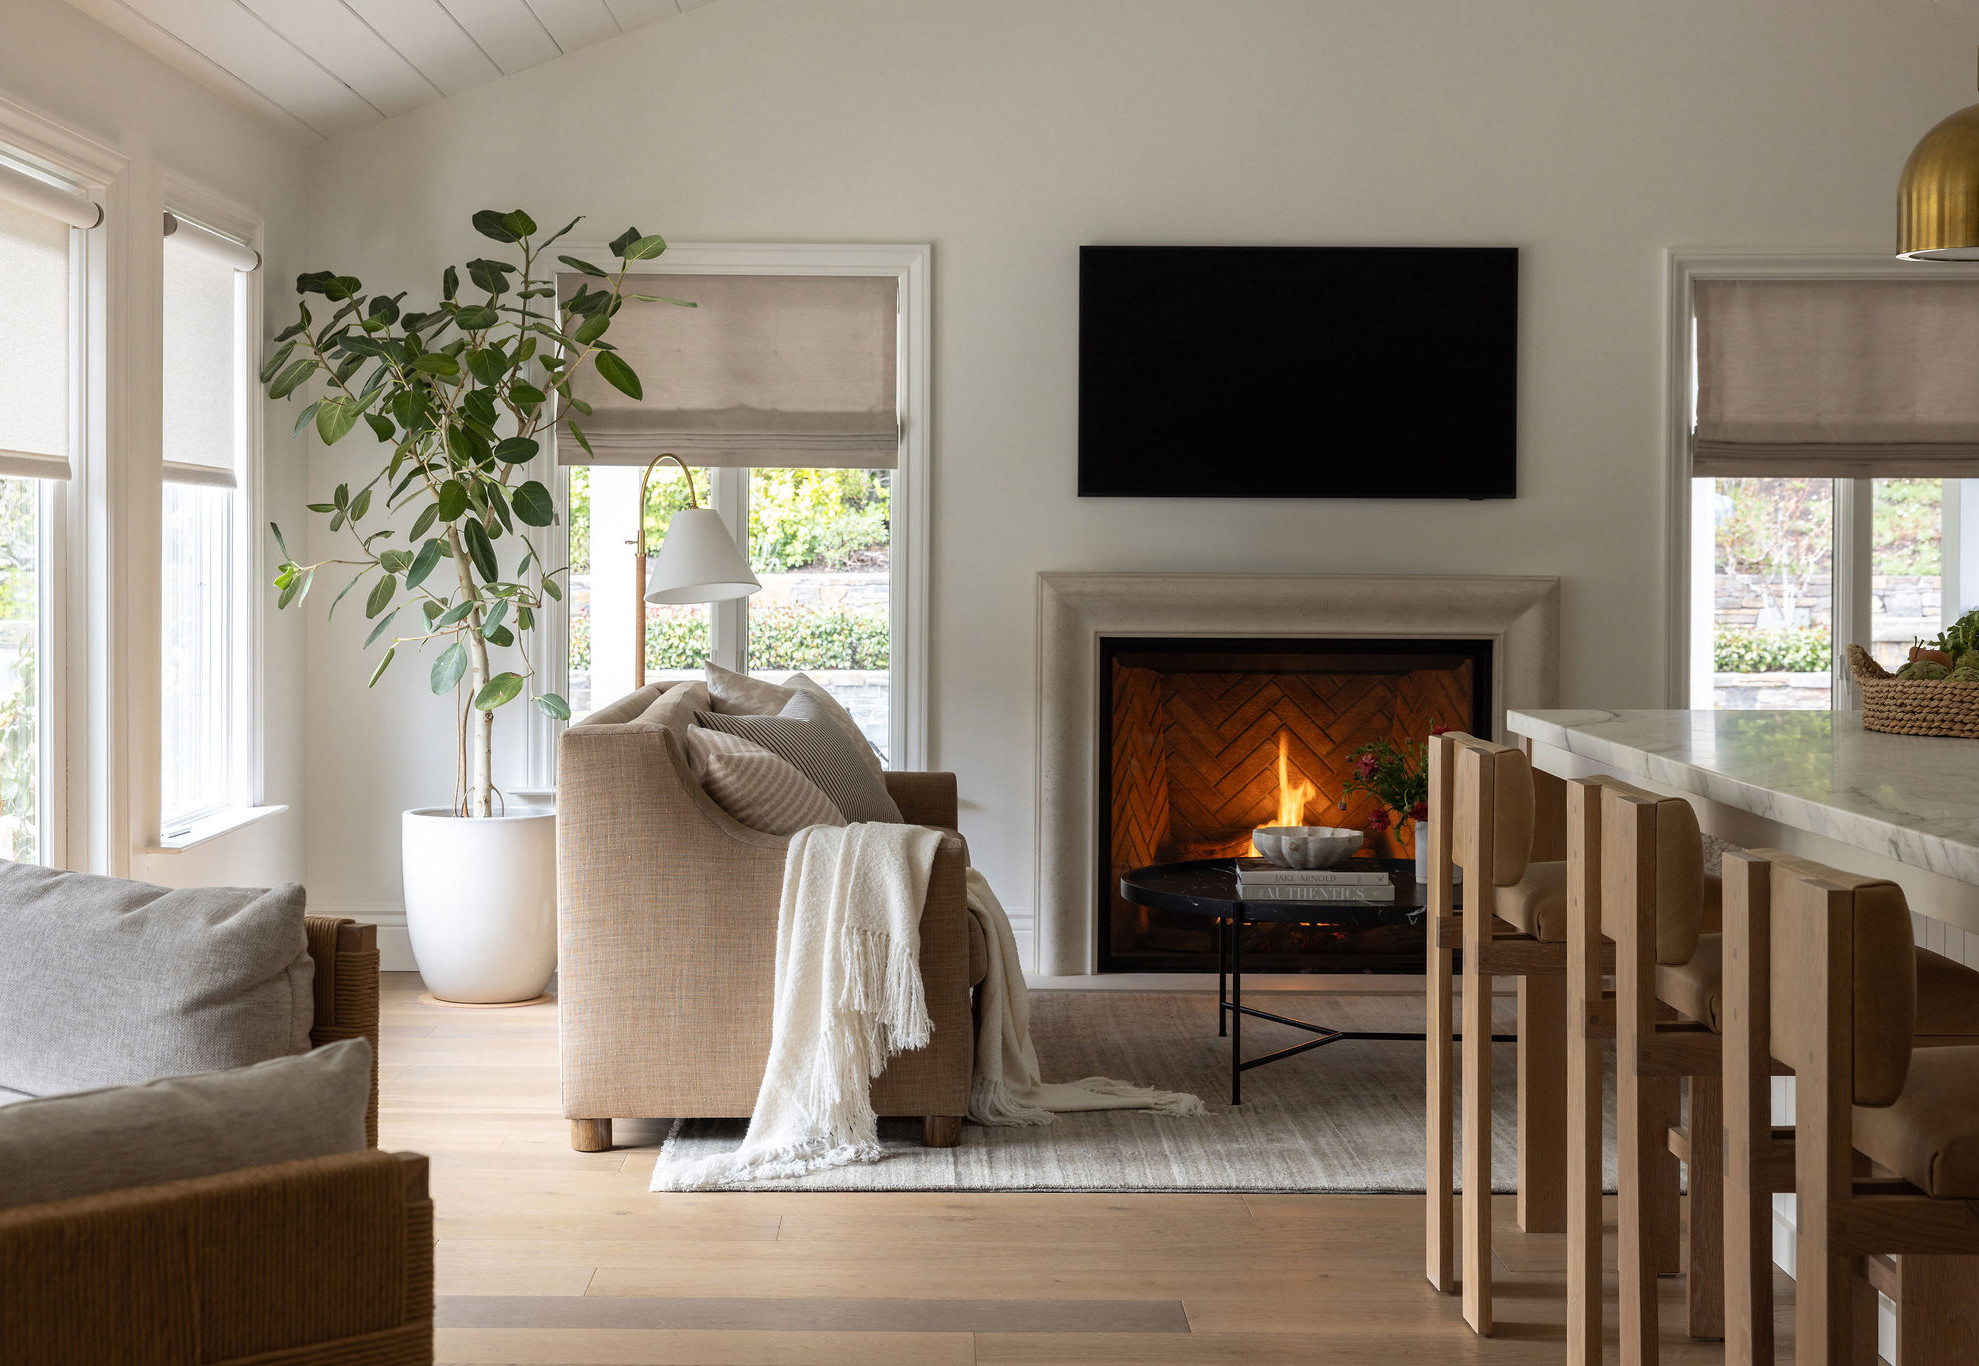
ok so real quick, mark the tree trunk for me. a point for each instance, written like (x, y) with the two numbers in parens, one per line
(481, 754)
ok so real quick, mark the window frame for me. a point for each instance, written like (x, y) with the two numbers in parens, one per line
(910, 265)
(249, 666)
(1686, 582)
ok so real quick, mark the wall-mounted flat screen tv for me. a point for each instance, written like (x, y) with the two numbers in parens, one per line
(1298, 372)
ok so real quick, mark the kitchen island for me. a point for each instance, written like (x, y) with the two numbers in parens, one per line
(1813, 783)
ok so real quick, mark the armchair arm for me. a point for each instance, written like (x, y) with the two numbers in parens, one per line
(924, 798)
(346, 958)
(325, 1259)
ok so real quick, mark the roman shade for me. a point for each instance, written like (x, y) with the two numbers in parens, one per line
(793, 370)
(1839, 379)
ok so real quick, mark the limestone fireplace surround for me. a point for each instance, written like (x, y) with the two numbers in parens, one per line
(1520, 616)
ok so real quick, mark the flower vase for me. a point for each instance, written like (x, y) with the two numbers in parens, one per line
(1422, 851)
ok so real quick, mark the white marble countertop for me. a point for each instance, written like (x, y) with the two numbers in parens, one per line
(1909, 798)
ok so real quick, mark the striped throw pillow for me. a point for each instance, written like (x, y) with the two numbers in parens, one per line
(753, 785)
(822, 752)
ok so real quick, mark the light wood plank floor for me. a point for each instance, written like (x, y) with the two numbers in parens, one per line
(922, 1278)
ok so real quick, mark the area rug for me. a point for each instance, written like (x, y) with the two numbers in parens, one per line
(1343, 1119)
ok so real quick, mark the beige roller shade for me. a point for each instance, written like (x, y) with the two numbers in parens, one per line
(1842, 379)
(765, 370)
(34, 344)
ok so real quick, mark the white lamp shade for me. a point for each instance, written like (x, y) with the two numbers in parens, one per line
(699, 562)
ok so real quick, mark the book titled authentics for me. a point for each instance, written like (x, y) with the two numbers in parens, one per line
(1365, 895)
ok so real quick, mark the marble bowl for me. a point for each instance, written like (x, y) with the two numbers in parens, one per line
(1306, 846)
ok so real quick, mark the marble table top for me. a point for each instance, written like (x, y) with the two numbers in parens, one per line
(1909, 798)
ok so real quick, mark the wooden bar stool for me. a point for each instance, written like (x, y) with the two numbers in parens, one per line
(1485, 803)
(1834, 966)
(1941, 999)
(1637, 880)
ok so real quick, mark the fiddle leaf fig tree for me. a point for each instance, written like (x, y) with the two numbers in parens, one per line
(445, 537)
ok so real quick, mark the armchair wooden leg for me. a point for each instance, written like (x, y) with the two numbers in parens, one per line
(941, 1131)
(591, 1135)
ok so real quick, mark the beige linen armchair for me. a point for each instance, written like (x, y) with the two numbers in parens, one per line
(666, 940)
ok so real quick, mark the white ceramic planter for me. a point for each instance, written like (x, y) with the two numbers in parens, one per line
(481, 902)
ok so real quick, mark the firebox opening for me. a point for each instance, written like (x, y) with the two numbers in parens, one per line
(1203, 740)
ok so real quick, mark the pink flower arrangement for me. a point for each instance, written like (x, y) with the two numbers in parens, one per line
(1396, 777)
(1377, 821)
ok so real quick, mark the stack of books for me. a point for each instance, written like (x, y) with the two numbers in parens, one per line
(1261, 881)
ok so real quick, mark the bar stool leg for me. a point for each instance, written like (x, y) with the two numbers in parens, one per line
(1663, 1104)
(1704, 1284)
(1585, 1055)
(1937, 1310)
(1747, 1099)
(1476, 1273)
(1542, 1151)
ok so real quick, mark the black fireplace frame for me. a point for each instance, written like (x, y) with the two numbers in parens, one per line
(1480, 651)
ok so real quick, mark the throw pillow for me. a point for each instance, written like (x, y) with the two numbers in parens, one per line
(61, 1147)
(676, 707)
(821, 752)
(803, 685)
(107, 982)
(752, 784)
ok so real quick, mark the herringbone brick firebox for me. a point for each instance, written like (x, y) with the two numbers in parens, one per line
(1190, 738)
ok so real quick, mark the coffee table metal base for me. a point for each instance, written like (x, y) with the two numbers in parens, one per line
(1231, 1010)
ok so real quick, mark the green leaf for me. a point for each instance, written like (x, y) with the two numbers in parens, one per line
(526, 395)
(498, 635)
(449, 286)
(644, 248)
(533, 505)
(582, 267)
(290, 379)
(303, 419)
(449, 668)
(383, 665)
(384, 624)
(662, 299)
(520, 223)
(361, 505)
(592, 328)
(545, 243)
(457, 612)
(395, 561)
(436, 363)
(381, 595)
(381, 427)
(476, 318)
(490, 275)
(487, 364)
(355, 579)
(452, 500)
(502, 688)
(491, 223)
(481, 550)
(550, 587)
(423, 563)
(578, 432)
(619, 375)
(554, 707)
(516, 450)
(280, 544)
(494, 616)
(272, 366)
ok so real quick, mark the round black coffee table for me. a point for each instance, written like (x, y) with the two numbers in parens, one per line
(1208, 887)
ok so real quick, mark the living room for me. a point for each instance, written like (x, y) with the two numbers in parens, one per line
(1171, 507)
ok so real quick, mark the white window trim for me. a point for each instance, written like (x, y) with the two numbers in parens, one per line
(1684, 266)
(76, 746)
(911, 266)
(248, 781)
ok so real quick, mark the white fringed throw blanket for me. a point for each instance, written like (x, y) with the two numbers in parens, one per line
(849, 997)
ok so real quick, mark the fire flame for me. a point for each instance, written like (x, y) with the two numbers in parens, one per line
(1292, 798)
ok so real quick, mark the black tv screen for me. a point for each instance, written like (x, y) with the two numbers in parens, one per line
(1298, 372)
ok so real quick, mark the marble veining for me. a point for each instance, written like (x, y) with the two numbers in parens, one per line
(1913, 799)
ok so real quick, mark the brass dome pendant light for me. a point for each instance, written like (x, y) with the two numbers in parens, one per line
(1938, 194)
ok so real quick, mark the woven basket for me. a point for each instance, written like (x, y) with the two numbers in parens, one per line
(1913, 706)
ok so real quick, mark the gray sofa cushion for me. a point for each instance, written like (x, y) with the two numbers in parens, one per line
(60, 1147)
(105, 982)
(819, 750)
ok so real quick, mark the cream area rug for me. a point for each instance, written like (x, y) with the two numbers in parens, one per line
(1346, 1118)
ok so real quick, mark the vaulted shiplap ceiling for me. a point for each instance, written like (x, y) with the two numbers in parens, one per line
(329, 65)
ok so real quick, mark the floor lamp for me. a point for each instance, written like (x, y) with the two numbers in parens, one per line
(699, 561)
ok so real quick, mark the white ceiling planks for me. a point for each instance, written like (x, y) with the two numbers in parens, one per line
(349, 49)
(338, 64)
(576, 23)
(507, 30)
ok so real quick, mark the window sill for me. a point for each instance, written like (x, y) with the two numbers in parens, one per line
(212, 827)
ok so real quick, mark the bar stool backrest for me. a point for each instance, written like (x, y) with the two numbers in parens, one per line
(1844, 975)
(1492, 833)
(1675, 900)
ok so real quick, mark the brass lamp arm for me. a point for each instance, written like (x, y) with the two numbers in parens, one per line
(646, 476)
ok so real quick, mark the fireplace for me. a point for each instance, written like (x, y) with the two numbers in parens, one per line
(1204, 739)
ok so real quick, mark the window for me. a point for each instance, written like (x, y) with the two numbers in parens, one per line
(38, 335)
(792, 396)
(1834, 448)
(202, 654)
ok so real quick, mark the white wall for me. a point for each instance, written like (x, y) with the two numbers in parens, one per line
(1593, 136)
(72, 70)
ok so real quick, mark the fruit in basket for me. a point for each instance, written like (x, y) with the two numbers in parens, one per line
(1964, 673)
(1923, 671)
(1924, 654)
(1968, 660)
